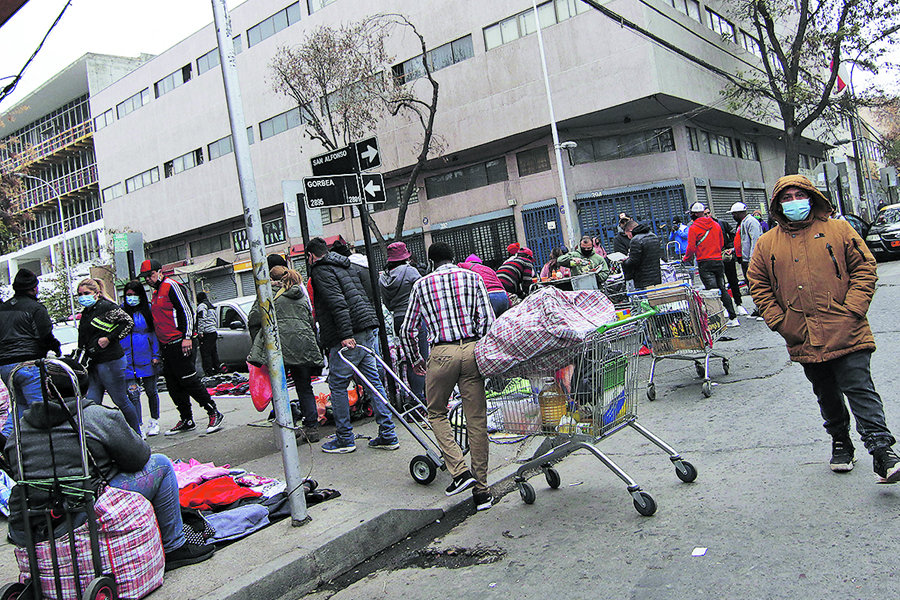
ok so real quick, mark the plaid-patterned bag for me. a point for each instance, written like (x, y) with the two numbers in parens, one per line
(528, 337)
(130, 548)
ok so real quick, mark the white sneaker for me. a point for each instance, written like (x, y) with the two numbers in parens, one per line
(741, 311)
(760, 318)
(143, 434)
(153, 427)
(733, 323)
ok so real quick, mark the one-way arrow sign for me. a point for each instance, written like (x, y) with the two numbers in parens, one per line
(367, 153)
(373, 186)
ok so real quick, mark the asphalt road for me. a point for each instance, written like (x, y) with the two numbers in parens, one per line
(765, 519)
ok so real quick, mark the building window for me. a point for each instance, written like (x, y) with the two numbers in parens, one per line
(103, 120)
(522, 24)
(469, 178)
(213, 243)
(315, 5)
(133, 103)
(279, 123)
(280, 20)
(393, 196)
(112, 192)
(250, 136)
(169, 255)
(690, 8)
(809, 162)
(332, 215)
(747, 150)
(208, 61)
(221, 147)
(438, 58)
(714, 143)
(273, 233)
(638, 143)
(238, 44)
(184, 162)
(750, 44)
(133, 184)
(720, 25)
(536, 160)
(172, 81)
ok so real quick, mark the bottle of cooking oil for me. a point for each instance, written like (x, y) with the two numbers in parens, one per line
(552, 401)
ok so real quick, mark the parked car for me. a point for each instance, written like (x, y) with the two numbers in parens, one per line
(233, 334)
(861, 227)
(67, 334)
(883, 238)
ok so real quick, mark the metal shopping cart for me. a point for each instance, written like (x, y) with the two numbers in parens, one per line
(582, 394)
(424, 467)
(686, 325)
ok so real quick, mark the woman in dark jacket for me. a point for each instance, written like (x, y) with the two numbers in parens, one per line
(142, 362)
(302, 357)
(102, 327)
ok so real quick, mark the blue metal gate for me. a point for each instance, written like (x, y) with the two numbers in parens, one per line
(598, 213)
(538, 233)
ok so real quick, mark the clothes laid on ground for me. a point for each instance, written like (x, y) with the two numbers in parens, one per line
(194, 471)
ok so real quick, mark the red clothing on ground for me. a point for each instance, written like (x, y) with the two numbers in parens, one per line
(220, 491)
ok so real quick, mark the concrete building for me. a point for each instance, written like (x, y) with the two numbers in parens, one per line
(49, 136)
(651, 128)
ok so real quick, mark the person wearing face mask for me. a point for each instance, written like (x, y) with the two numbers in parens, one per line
(142, 358)
(813, 278)
(102, 327)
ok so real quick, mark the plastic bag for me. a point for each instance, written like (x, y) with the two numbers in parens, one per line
(260, 387)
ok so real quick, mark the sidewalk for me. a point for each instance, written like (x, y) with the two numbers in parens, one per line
(379, 505)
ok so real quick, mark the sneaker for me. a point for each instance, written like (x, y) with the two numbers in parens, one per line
(741, 311)
(382, 444)
(733, 323)
(482, 500)
(461, 482)
(311, 434)
(760, 318)
(189, 554)
(755, 313)
(886, 465)
(143, 433)
(153, 427)
(842, 457)
(181, 427)
(215, 422)
(336, 447)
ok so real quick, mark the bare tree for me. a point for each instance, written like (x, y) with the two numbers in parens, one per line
(342, 81)
(800, 45)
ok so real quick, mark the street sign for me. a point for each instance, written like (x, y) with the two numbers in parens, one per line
(337, 162)
(373, 186)
(332, 190)
(367, 153)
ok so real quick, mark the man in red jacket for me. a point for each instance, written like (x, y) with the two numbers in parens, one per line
(176, 328)
(705, 241)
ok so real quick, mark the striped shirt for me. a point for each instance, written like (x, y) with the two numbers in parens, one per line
(454, 304)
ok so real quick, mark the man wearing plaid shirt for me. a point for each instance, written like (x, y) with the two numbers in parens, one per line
(456, 309)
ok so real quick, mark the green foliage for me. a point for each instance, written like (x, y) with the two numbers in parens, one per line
(53, 295)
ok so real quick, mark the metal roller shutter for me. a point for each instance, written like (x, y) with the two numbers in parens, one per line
(722, 199)
(248, 284)
(702, 196)
(219, 287)
(757, 200)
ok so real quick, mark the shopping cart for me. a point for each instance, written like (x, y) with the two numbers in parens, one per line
(49, 504)
(588, 396)
(424, 467)
(686, 325)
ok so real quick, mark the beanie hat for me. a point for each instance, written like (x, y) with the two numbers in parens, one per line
(276, 260)
(341, 248)
(25, 280)
(513, 248)
(473, 258)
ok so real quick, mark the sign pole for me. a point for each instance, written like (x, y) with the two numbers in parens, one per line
(284, 418)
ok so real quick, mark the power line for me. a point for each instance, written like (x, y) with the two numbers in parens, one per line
(17, 78)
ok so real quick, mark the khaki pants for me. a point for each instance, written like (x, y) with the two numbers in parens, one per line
(449, 365)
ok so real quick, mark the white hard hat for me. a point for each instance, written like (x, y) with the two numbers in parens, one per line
(738, 207)
(697, 207)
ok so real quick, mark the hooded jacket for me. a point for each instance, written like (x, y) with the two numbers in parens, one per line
(642, 264)
(516, 273)
(491, 281)
(104, 319)
(26, 332)
(813, 280)
(395, 287)
(295, 327)
(342, 307)
(705, 240)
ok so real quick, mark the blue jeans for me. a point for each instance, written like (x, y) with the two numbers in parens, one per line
(27, 388)
(134, 395)
(850, 376)
(157, 483)
(110, 377)
(499, 302)
(339, 376)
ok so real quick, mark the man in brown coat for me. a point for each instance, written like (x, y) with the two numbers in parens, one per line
(813, 278)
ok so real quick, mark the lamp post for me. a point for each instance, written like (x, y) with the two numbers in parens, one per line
(62, 227)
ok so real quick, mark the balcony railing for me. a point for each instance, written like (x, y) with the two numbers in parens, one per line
(50, 146)
(65, 185)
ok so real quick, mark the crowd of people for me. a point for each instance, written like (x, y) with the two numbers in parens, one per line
(811, 279)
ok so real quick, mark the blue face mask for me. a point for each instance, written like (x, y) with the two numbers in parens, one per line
(795, 210)
(132, 300)
(87, 300)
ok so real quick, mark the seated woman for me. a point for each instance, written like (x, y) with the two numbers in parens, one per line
(118, 456)
(552, 265)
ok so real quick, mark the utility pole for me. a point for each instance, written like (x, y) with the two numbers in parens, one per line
(284, 418)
